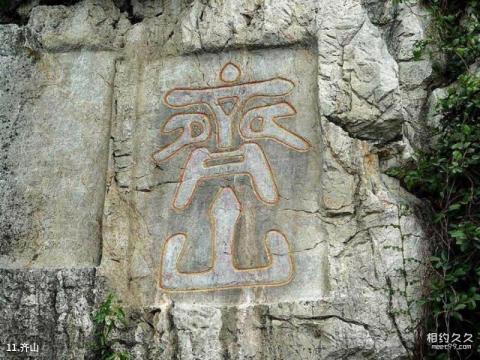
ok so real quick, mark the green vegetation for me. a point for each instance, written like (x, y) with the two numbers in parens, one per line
(109, 316)
(448, 176)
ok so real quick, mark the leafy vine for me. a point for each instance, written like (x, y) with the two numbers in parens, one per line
(109, 316)
(447, 175)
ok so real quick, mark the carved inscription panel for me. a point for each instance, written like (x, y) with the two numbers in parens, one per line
(228, 161)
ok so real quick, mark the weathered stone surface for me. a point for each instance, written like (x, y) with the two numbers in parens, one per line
(268, 207)
(369, 106)
(88, 25)
(55, 110)
(49, 308)
(123, 141)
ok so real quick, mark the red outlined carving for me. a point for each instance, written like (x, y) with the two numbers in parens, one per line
(223, 271)
(227, 101)
(257, 124)
(271, 128)
(182, 123)
(225, 104)
(196, 161)
(230, 72)
(181, 97)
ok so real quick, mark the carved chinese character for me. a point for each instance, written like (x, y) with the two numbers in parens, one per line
(226, 118)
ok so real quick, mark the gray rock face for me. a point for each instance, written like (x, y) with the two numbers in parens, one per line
(220, 167)
(55, 110)
(48, 310)
(232, 198)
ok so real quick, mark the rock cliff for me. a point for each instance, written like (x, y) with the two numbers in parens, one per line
(220, 166)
